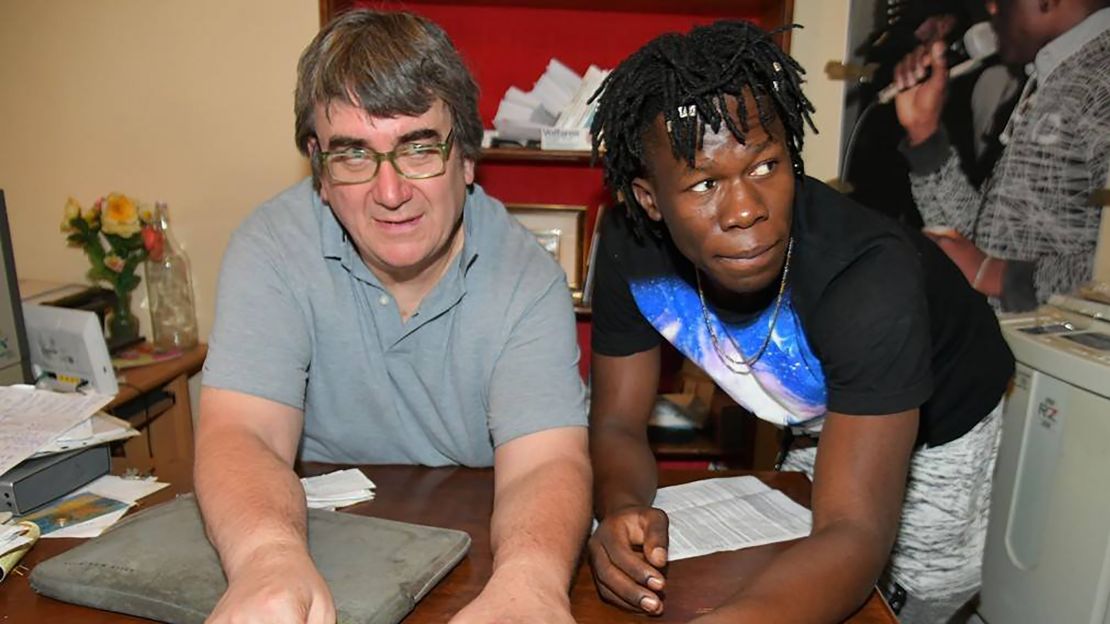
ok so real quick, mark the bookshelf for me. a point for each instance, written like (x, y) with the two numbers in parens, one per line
(509, 42)
(523, 154)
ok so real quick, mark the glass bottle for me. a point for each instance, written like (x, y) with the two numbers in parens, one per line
(173, 315)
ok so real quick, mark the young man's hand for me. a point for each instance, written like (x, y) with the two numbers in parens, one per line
(921, 100)
(279, 586)
(627, 554)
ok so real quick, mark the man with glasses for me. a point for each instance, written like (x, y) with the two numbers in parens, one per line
(388, 311)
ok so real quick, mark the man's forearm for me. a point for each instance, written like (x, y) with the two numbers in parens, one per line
(539, 522)
(249, 496)
(941, 190)
(834, 570)
(625, 469)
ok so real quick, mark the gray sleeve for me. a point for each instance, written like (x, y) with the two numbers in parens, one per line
(942, 192)
(536, 384)
(260, 343)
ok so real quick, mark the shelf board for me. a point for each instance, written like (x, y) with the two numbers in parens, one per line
(687, 7)
(528, 154)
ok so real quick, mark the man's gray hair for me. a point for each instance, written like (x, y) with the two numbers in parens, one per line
(390, 64)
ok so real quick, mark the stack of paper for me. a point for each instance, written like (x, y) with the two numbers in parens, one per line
(337, 489)
(521, 116)
(728, 514)
(556, 105)
(31, 419)
(579, 112)
(98, 429)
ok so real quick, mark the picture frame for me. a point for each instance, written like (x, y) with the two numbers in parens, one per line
(560, 230)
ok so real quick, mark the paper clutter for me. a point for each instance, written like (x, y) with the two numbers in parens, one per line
(556, 112)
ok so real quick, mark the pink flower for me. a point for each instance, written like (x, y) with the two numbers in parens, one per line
(154, 242)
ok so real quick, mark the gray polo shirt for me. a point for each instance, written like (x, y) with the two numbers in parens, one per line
(490, 355)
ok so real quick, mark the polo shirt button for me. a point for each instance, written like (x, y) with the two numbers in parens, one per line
(384, 300)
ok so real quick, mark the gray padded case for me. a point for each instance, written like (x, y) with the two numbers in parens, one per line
(158, 564)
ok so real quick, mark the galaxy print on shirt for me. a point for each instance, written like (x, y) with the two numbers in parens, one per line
(786, 386)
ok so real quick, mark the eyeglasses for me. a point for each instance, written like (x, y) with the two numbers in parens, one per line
(414, 161)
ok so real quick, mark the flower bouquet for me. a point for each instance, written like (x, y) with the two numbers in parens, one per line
(116, 235)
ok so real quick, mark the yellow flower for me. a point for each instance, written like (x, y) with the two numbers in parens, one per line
(113, 262)
(120, 216)
(72, 211)
(91, 214)
(146, 213)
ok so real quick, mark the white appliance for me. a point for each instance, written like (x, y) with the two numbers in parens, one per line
(67, 349)
(1047, 556)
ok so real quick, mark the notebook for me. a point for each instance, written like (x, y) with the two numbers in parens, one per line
(376, 569)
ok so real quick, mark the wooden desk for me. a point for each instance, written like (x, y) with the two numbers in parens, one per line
(157, 396)
(462, 498)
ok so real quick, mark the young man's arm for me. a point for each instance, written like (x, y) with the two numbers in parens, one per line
(540, 515)
(254, 510)
(629, 548)
(859, 479)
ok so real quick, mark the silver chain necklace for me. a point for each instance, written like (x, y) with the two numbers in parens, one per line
(744, 366)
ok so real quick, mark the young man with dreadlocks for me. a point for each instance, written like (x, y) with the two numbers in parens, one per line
(814, 313)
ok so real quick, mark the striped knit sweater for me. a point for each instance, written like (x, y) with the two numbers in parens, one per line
(1035, 209)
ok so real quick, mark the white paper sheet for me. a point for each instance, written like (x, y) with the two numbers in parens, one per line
(126, 490)
(109, 486)
(30, 419)
(730, 513)
(103, 428)
(337, 489)
(89, 528)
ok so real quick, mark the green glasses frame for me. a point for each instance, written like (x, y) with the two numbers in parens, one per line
(443, 149)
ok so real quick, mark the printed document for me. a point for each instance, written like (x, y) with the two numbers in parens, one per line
(30, 419)
(730, 513)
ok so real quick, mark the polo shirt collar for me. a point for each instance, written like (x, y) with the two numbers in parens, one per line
(476, 200)
(333, 240)
(1059, 49)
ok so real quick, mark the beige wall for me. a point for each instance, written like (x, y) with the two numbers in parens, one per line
(824, 38)
(187, 102)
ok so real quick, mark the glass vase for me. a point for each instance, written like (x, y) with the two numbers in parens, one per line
(173, 315)
(122, 324)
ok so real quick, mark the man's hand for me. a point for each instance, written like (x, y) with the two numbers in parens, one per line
(960, 250)
(986, 277)
(919, 105)
(627, 555)
(279, 586)
(513, 599)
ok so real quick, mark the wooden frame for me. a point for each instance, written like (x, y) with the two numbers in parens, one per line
(561, 230)
(772, 12)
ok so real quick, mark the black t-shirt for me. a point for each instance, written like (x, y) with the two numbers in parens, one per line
(875, 319)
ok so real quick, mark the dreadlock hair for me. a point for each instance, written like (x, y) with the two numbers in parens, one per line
(686, 78)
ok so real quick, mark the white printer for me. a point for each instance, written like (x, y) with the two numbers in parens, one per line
(1047, 555)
